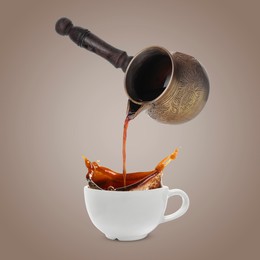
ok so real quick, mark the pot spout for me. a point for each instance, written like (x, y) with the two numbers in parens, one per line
(134, 109)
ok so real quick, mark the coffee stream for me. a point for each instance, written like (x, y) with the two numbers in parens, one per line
(100, 177)
(124, 148)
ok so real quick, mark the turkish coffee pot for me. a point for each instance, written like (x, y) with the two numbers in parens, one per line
(172, 87)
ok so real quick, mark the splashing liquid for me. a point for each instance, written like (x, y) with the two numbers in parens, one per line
(100, 177)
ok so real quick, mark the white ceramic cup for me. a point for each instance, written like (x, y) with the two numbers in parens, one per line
(131, 215)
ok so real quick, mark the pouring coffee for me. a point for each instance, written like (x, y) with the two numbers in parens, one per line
(172, 87)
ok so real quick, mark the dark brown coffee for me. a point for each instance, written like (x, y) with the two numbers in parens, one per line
(124, 148)
(100, 177)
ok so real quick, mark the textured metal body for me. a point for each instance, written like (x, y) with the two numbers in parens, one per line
(184, 96)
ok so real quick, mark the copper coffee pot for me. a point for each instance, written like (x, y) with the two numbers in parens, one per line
(172, 87)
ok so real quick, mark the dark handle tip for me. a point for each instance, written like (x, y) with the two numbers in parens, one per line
(63, 26)
(84, 38)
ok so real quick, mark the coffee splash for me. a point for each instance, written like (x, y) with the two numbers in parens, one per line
(103, 178)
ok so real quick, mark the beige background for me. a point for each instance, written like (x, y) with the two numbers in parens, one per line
(58, 101)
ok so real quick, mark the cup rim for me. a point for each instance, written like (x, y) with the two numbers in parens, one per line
(125, 192)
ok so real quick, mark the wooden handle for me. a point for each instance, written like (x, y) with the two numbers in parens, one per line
(84, 38)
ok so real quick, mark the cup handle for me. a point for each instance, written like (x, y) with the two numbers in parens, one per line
(184, 206)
